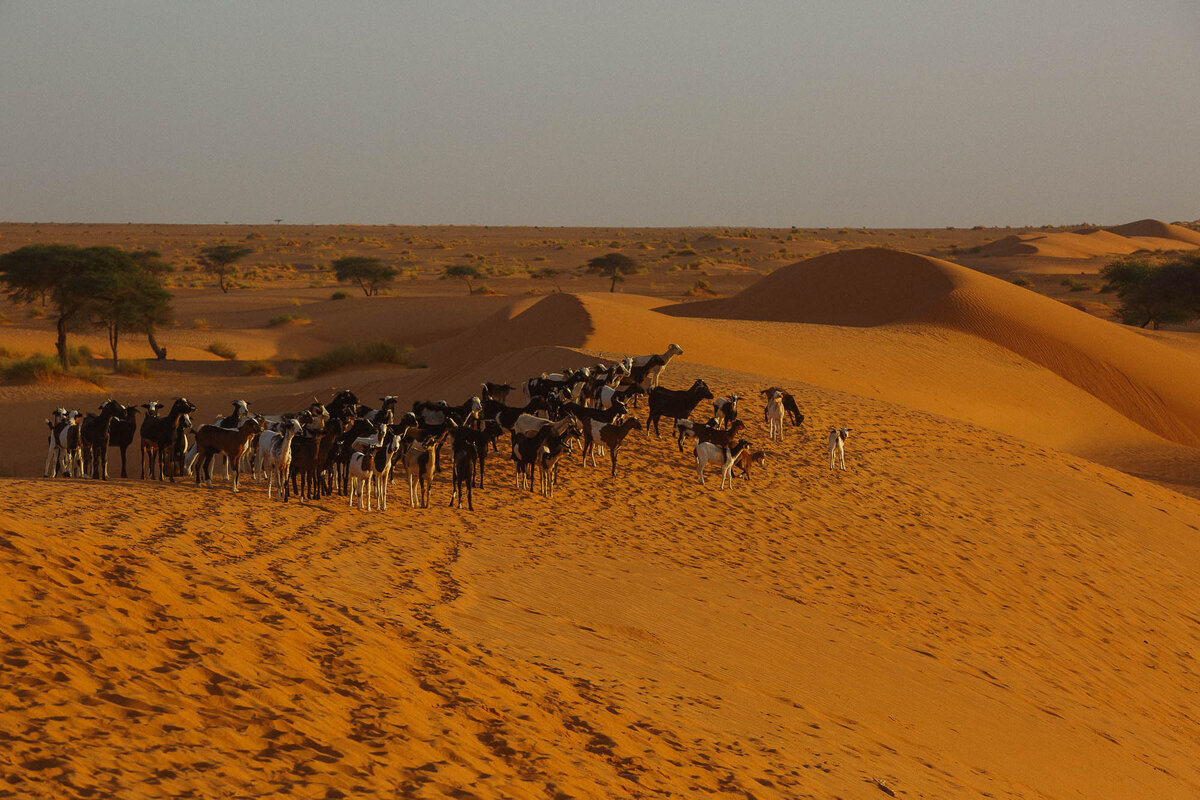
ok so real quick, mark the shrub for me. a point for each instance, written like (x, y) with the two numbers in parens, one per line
(341, 294)
(1075, 285)
(35, 369)
(133, 369)
(350, 355)
(221, 349)
(39, 368)
(701, 289)
(200, 324)
(284, 319)
(1022, 282)
(259, 368)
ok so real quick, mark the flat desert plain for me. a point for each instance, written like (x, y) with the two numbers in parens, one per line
(995, 599)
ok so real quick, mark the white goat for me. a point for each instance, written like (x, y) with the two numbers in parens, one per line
(775, 415)
(275, 457)
(837, 446)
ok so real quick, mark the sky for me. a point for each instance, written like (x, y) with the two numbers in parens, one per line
(889, 113)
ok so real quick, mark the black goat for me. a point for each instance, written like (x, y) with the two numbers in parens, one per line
(674, 403)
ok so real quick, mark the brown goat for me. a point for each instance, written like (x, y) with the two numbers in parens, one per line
(211, 439)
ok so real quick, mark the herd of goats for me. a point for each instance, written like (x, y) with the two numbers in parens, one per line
(347, 448)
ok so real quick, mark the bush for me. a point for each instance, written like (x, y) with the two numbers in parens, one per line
(340, 294)
(200, 324)
(702, 289)
(284, 319)
(133, 369)
(35, 369)
(1075, 285)
(350, 355)
(39, 368)
(1023, 282)
(223, 350)
(259, 368)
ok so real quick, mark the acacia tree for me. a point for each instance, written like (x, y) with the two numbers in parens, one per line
(463, 272)
(133, 299)
(220, 260)
(371, 274)
(79, 281)
(1155, 295)
(58, 273)
(615, 266)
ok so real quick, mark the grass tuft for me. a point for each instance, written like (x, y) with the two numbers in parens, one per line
(286, 319)
(355, 354)
(223, 350)
(254, 368)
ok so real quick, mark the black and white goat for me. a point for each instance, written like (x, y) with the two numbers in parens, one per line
(710, 453)
(725, 409)
(655, 373)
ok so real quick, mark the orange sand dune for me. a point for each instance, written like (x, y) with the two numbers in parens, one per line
(1147, 234)
(960, 613)
(1153, 229)
(966, 611)
(1149, 383)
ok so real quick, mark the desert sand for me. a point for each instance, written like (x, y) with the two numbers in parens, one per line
(994, 600)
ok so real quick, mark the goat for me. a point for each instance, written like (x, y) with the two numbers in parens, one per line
(608, 395)
(275, 457)
(149, 445)
(547, 459)
(654, 373)
(774, 415)
(94, 433)
(837, 446)
(419, 463)
(725, 409)
(748, 458)
(528, 425)
(674, 403)
(213, 439)
(361, 474)
(526, 449)
(121, 431)
(386, 412)
(479, 439)
(65, 456)
(611, 436)
(709, 432)
(494, 391)
(464, 454)
(707, 452)
(161, 436)
(789, 404)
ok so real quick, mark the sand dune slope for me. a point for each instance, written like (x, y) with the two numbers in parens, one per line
(1147, 234)
(1154, 229)
(959, 614)
(1148, 382)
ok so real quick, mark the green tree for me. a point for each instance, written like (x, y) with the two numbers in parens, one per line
(371, 274)
(133, 299)
(80, 281)
(1155, 295)
(463, 272)
(615, 266)
(220, 260)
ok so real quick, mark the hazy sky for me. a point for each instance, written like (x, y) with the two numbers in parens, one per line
(882, 113)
